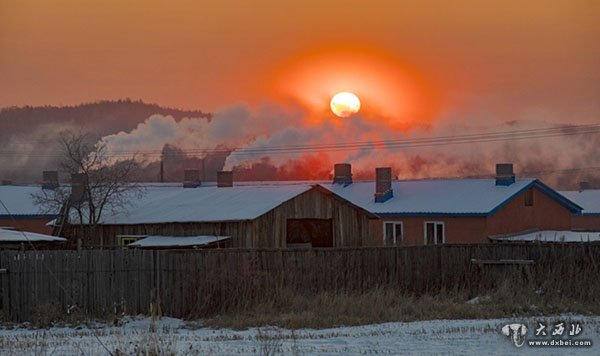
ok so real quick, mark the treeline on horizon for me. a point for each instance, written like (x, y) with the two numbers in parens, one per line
(108, 116)
(106, 105)
(26, 132)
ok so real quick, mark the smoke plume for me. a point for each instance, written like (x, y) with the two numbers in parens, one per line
(249, 142)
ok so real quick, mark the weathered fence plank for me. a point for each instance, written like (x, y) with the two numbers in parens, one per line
(101, 282)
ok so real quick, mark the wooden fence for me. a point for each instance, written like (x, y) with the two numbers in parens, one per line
(197, 283)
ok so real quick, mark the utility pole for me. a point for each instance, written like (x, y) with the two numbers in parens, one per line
(162, 169)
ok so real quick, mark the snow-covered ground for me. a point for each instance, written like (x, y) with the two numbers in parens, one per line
(173, 336)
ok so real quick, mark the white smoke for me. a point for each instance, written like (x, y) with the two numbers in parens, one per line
(229, 128)
(240, 129)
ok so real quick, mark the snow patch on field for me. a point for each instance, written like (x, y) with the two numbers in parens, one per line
(187, 338)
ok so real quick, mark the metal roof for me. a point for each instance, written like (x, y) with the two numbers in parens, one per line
(19, 202)
(550, 236)
(177, 241)
(207, 204)
(11, 235)
(588, 199)
(449, 197)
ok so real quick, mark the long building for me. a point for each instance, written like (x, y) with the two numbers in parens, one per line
(424, 212)
(337, 213)
(345, 213)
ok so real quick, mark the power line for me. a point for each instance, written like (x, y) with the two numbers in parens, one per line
(529, 174)
(529, 134)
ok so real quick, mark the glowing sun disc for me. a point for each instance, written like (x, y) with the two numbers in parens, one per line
(344, 104)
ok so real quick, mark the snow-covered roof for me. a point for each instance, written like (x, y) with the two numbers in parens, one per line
(177, 241)
(165, 204)
(551, 236)
(439, 197)
(19, 202)
(10, 235)
(588, 199)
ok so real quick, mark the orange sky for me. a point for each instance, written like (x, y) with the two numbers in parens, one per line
(502, 58)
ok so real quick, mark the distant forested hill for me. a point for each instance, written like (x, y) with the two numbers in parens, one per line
(102, 117)
(28, 133)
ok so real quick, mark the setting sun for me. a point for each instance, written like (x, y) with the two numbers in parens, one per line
(344, 104)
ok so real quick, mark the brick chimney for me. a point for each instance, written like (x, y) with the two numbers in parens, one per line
(191, 178)
(342, 174)
(224, 179)
(78, 186)
(383, 184)
(50, 180)
(584, 186)
(504, 174)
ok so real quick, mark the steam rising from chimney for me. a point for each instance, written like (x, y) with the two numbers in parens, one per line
(245, 140)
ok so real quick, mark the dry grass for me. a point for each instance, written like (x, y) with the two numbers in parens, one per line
(563, 279)
(509, 296)
(325, 310)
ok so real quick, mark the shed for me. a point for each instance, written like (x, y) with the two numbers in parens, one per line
(549, 236)
(12, 239)
(252, 214)
(180, 242)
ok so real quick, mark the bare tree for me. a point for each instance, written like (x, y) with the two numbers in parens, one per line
(102, 184)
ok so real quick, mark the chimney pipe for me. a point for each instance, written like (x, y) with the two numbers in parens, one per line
(191, 178)
(504, 174)
(50, 180)
(224, 179)
(78, 186)
(584, 186)
(383, 184)
(342, 174)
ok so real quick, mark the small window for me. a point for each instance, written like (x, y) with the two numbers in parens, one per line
(439, 234)
(434, 233)
(529, 197)
(392, 233)
(430, 233)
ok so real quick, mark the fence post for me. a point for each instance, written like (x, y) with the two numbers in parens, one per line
(156, 309)
(5, 285)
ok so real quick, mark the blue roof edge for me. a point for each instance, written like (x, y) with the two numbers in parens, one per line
(429, 214)
(573, 208)
(559, 197)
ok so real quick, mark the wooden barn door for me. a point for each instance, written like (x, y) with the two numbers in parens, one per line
(317, 232)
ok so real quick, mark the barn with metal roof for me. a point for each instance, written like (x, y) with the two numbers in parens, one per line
(252, 215)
